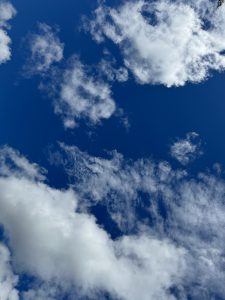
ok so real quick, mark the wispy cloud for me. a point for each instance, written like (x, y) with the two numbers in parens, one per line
(7, 12)
(165, 42)
(45, 49)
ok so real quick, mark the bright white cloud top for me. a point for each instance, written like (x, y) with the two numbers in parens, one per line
(165, 42)
(7, 12)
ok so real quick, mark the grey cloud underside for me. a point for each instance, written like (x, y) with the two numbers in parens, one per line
(164, 42)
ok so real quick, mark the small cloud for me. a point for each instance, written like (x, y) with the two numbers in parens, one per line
(82, 96)
(7, 12)
(45, 50)
(186, 150)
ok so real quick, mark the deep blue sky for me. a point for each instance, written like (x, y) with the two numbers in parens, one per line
(157, 115)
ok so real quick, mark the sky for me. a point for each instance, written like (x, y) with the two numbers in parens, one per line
(112, 150)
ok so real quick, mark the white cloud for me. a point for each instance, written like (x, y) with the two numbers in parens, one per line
(12, 162)
(45, 48)
(186, 150)
(66, 249)
(7, 12)
(172, 203)
(165, 42)
(8, 280)
(83, 96)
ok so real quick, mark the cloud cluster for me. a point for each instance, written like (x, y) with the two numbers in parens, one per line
(66, 251)
(187, 149)
(45, 50)
(189, 211)
(7, 12)
(78, 91)
(165, 42)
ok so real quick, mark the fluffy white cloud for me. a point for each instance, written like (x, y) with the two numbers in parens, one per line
(7, 12)
(165, 42)
(8, 280)
(190, 211)
(66, 249)
(45, 48)
(83, 96)
(186, 150)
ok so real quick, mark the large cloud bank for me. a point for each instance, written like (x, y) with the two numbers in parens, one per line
(67, 252)
(165, 42)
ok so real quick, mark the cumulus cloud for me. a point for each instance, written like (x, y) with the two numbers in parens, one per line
(45, 50)
(66, 250)
(165, 42)
(83, 96)
(187, 149)
(190, 211)
(8, 280)
(7, 12)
